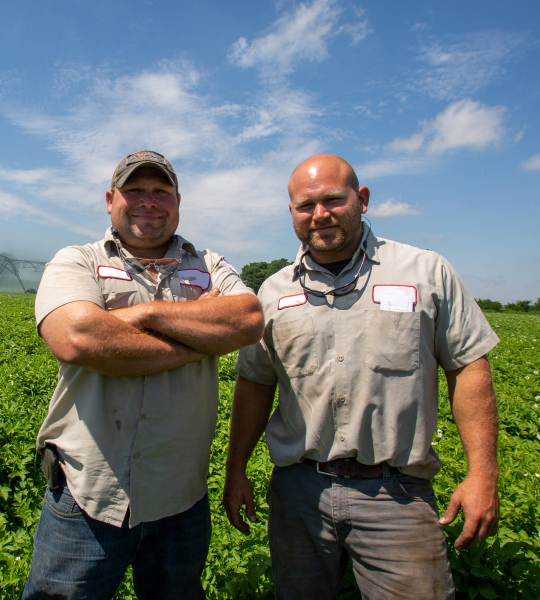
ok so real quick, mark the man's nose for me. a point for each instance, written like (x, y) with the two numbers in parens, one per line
(147, 199)
(320, 212)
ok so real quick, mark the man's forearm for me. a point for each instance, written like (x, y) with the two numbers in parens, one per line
(214, 326)
(474, 407)
(82, 334)
(250, 413)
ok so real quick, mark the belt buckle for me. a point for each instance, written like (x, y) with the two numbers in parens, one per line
(325, 473)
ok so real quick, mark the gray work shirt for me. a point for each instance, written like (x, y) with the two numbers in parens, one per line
(357, 373)
(144, 441)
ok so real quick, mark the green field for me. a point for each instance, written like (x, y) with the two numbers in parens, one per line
(505, 567)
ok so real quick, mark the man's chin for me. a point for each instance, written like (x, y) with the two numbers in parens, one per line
(325, 245)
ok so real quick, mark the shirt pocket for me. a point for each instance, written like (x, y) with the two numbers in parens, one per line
(118, 293)
(392, 341)
(295, 345)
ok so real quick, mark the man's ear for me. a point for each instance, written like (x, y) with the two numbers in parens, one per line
(109, 198)
(290, 207)
(363, 196)
(179, 198)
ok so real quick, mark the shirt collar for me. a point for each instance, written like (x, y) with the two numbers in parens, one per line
(176, 244)
(368, 243)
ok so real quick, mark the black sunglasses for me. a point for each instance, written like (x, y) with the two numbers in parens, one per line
(339, 291)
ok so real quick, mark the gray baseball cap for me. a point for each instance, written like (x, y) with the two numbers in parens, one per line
(144, 158)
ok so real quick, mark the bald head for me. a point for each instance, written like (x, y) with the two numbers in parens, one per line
(327, 206)
(328, 165)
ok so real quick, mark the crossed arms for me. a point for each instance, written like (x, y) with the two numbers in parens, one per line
(151, 337)
(475, 412)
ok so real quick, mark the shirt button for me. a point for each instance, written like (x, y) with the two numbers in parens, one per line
(136, 455)
(341, 438)
(143, 416)
(340, 358)
(337, 282)
(149, 376)
(342, 399)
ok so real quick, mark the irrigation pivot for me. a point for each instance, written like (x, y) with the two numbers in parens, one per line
(11, 264)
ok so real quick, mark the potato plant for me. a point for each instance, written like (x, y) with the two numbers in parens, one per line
(507, 566)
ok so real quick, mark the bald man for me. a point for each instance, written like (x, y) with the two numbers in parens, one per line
(355, 330)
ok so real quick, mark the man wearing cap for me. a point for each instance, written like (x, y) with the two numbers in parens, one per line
(355, 331)
(137, 322)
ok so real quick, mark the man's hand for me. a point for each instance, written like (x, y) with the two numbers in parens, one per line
(237, 492)
(211, 294)
(478, 499)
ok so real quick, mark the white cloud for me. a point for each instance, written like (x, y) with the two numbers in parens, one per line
(519, 136)
(466, 124)
(294, 37)
(399, 165)
(532, 164)
(26, 176)
(463, 124)
(284, 111)
(11, 206)
(462, 67)
(391, 208)
(412, 144)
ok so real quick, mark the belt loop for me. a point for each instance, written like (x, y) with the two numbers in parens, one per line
(386, 472)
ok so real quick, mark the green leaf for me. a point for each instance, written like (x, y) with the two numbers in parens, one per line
(486, 591)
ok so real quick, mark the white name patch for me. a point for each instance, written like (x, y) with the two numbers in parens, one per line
(290, 301)
(113, 273)
(194, 277)
(396, 298)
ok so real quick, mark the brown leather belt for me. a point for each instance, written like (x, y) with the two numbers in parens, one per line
(348, 467)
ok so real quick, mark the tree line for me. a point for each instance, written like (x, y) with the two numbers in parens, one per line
(517, 306)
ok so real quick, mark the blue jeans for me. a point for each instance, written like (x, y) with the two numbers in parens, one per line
(79, 558)
(388, 527)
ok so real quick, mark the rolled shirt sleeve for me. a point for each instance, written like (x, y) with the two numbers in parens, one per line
(462, 332)
(69, 277)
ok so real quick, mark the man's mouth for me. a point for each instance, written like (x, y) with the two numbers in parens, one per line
(147, 216)
(323, 229)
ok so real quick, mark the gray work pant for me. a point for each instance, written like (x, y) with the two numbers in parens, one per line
(387, 526)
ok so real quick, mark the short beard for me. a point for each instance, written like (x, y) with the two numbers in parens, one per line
(347, 231)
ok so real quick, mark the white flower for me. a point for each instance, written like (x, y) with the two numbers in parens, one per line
(526, 475)
(439, 433)
(434, 443)
(535, 372)
(537, 474)
(536, 406)
(17, 558)
(526, 377)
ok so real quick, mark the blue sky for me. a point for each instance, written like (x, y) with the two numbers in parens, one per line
(435, 104)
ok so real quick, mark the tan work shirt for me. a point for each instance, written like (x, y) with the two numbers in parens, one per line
(357, 373)
(142, 442)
